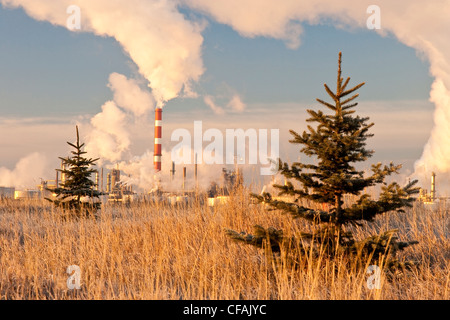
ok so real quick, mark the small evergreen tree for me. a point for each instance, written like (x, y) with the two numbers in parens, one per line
(336, 143)
(77, 184)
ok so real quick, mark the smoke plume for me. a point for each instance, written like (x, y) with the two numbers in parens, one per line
(129, 95)
(27, 173)
(109, 136)
(166, 46)
(421, 25)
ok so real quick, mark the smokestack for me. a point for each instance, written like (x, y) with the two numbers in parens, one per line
(101, 179)
(158, 136)
(172, 172)
(433, 186)
(115, 178)
(108, 182)
(56, 180)
(63, 175)
(96, 180)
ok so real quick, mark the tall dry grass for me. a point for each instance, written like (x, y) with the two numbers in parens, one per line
(151, 251)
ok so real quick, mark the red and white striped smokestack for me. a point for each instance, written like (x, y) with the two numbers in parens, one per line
(158, 136)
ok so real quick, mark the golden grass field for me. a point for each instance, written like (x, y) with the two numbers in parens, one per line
(151, 251)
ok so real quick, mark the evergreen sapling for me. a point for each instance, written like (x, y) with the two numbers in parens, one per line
(336, 143)
(77, 185)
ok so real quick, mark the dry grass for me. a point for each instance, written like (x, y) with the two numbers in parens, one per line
(149, 251)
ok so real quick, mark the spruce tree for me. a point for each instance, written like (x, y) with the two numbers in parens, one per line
(336, 143)
(77, 183)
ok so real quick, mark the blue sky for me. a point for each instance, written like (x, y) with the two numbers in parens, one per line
(48, 70)
(52, 74)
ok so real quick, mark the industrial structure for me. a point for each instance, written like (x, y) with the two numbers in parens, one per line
(429, 198)
(432, 200)
(7, 192)
(116, 190)
(158, 136)
(181, 196)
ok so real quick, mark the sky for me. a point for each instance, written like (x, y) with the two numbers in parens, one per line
(226, 65)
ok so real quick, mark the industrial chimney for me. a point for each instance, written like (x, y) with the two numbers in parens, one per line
(158, 136)
(184, 178)
(172, 172)
(56, 180)
(101, 181)
(96, 180)
(108, 182)
(63, 175)
(433, 187)
(115, 179)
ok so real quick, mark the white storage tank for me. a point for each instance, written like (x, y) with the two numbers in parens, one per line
(26, 195)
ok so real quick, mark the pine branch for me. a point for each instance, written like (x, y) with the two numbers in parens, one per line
(339, 78)
(294, 209)
(350, 99)
(327, 104)
(331, 93)
(343, 94)
(392, 198)
(345, 84)
(267, 238)
(385, 244)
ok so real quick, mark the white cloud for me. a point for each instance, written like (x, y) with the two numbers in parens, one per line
(236, 104)
(209, 101)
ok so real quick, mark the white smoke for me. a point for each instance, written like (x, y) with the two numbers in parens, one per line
(436, 153)
(129, 95)
(167, 47)
(27, 172)
(418, 24)
(109, 136)
(164, 45)
(139, 172)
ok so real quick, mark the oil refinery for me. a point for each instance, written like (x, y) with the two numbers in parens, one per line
(118, 190)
